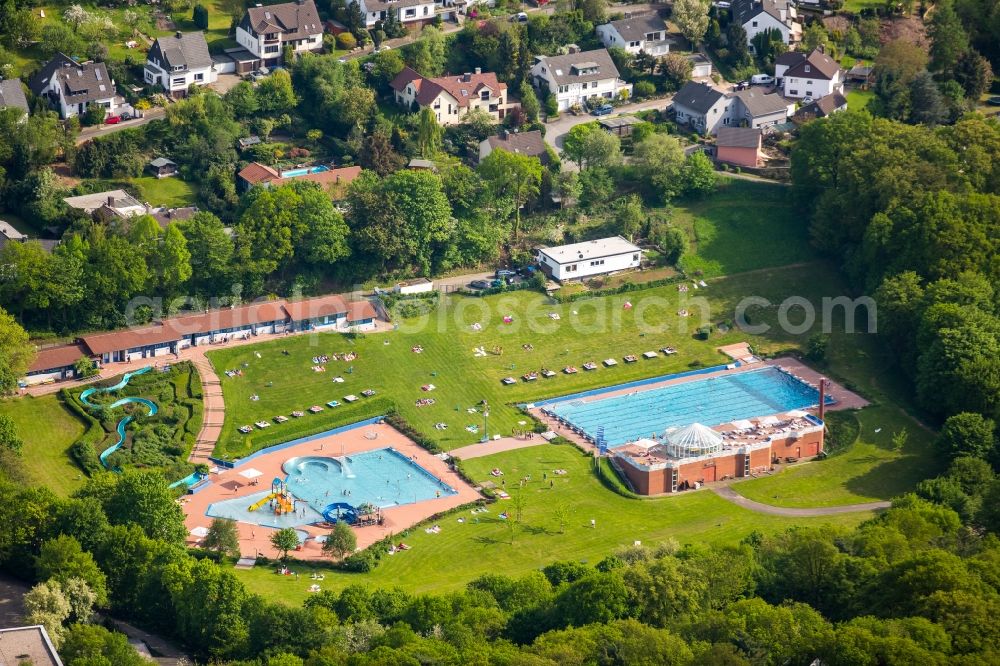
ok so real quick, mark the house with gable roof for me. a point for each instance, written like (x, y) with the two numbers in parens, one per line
(814, 76)
(646, 33)
(11, 94)
(408, 12)
(579, 77)
(757, 16)
(453, 97)
(179, 61)
(71, 86)
(266, 31)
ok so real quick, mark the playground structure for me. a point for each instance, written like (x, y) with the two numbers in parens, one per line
(282, 500)
(149, 404)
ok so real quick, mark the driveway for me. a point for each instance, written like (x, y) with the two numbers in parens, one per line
(555, 131)
(93, 132)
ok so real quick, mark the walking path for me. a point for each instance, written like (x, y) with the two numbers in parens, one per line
(214, 413)
(494, 446)
(727, 493)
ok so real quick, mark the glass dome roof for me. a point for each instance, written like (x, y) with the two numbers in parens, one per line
(693, 440)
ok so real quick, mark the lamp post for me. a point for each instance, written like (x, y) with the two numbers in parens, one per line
(486, 416)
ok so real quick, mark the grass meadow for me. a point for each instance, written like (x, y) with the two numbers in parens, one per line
(48, 429)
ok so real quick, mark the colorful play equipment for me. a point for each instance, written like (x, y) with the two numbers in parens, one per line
(338, 511)
(279, 497)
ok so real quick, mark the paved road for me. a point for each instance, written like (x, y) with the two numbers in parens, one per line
(93, 132)
(555, 131)
(727, 493)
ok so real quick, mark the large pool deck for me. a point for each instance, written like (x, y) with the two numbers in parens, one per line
(228, 484)
(842, 398)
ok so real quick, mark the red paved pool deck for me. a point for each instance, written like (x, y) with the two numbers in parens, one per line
(844, 399)
(256, 538)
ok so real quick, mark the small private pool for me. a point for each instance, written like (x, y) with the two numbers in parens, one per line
(293, 173)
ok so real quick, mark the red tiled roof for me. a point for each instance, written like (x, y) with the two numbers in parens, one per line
(256, 173)
(62, 356)
(404, 78)
(214, 320)
(312, 308)
(102, 343)
(358, 310)
(463, 87)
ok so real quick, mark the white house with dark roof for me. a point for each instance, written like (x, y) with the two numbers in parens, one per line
(757, 16)
(814, 76)
(647, 33)
(577, 78)
(266, 31)
(71, 86)
(701, 106)
(707, 109)
(451, 98)
(589, 258)
(179, 61)
(12, 94)
(412, 12)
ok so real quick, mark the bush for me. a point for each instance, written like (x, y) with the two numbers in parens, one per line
(703, 332)
(644, 89)
(816, 347)
(346, 41)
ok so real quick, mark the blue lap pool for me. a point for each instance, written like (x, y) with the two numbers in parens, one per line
(293, 173)
(710, 401)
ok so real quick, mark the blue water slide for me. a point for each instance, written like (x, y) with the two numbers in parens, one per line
(340, 511)
(84, 398)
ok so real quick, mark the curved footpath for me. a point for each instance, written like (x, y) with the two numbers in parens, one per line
(727, 493)
(213, 414)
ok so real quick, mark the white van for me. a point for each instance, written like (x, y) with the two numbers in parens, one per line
(761, 80)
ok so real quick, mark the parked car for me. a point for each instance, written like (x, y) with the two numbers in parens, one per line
(383, 47)
(125, 115)
(527, 271)
(602, 110)
(504, 273)
(112, 120)
(761, 80)
(993, 101)
(480, 284)
(807, 100)
(520, 17)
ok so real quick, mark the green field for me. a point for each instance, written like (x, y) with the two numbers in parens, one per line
(858, 99)
(590, 330)
(217, 34)
(732, 237)
(48, 430)
(170, 192)
(462, 551)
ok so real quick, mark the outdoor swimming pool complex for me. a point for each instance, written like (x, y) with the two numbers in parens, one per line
(382, 477)
(304, 171)
(709, 401)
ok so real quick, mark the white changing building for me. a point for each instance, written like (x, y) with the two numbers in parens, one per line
(589, 258)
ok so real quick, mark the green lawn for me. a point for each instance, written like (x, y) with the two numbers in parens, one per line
(170, 192)
(599, 329)
(463, 551)
(731, 236)
(48, 430)
(870, 469)
(858, 99)
(855, 6)
(217, 34)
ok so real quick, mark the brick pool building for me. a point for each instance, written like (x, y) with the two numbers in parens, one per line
(696, 454)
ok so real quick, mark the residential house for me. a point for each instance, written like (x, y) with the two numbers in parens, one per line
(420, 164)
(12, 94)
(701, 106)
(333, 180)
(108, 205)
(161, 167)
(739, 146)
(814, 76)
(178, 62)
(266, 31)
(646, 33)
(248, 141)
(701, 67)
(756, 109)
(8, 234)
(707, 109)
(589, 258)
(71, 86)
(453, 97)
(408, 12)
(27, 645)
(167, 216)
(757, 16)
(531, 144)
(821, 108)
(579, 78)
